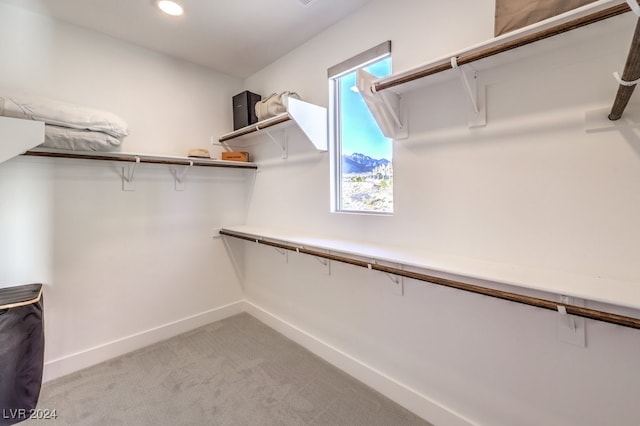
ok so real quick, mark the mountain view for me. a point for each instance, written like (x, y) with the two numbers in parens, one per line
(360, 163)
(367, 183)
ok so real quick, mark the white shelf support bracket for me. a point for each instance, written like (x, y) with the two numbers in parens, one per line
(397, 280)
(180, 178)
(398, 284)
(284, 253)
(571, 329)
(370, 264)
(635, 7)
(128, 174)
(386, 107)
(283, 145)
(470, 87)
(325, 262)
(478, 117)
(394, 278)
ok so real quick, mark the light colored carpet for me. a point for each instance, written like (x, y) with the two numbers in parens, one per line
(236, 371)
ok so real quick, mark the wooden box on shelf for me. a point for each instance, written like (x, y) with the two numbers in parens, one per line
(235, 156)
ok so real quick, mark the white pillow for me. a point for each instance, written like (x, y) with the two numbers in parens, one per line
(64, 114)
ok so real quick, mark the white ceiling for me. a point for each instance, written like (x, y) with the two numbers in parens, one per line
(234, 37)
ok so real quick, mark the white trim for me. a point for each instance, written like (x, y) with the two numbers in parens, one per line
(361, 59)
(412, 400)
(70, 363)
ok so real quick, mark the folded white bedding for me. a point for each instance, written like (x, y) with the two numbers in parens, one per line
(78, 140)
(63, 114)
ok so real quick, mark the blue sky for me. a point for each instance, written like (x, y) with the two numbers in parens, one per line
(360, 133)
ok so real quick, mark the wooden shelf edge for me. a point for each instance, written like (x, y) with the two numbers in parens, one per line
(612, 292)
(577, 18)
(328, 252)
(310, 119)
(143, 158)
(253, 128)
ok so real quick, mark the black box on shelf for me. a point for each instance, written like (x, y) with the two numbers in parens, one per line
(244, 109)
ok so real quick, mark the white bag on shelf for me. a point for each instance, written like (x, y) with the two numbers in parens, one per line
(275, 104)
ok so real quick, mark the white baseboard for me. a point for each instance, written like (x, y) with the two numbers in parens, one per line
(412, 400)
(92, 356)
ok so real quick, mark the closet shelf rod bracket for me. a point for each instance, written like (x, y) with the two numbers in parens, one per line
(470, 87)
(324, 262)
(397, 280)
(283, 145)
(476, 96)
(571, 328)
(128, 174)
(635, 7)
(180, 178)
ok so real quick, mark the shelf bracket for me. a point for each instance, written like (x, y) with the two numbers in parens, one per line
(633, 4)
(128, 174)
(326, 263)
(180, 178)
(478, 117)
(397, 280)
(283, 145)
(571, 329)
(386, 107)
(284, 253)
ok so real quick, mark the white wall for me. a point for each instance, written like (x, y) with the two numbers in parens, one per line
(531, 189)
(171, 106)
(121, 269)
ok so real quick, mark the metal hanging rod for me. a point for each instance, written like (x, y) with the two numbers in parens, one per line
(630, 77)
(139, 158)
(500, 294)
(506, 46)
(255, 127)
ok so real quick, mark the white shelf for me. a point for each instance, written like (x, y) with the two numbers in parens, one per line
(383, 96)
(309, 118)
(614, 292)
(138, 158)
(128, 173)
(18, 135)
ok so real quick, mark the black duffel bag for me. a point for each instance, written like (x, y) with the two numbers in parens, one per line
(21, 351)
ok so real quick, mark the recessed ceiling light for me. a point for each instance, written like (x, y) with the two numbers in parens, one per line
(170, 7)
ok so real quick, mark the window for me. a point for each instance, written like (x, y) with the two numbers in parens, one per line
(362, 169)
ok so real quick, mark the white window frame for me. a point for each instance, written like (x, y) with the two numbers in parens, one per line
(368, 57)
